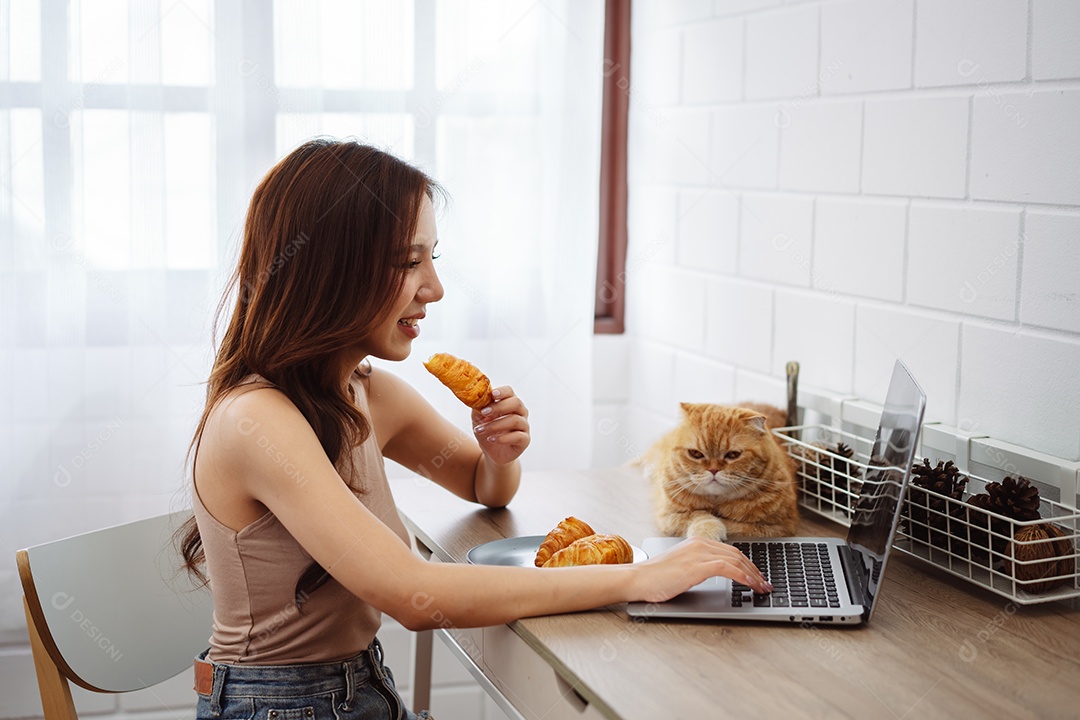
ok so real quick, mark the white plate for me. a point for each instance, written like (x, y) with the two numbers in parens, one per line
(520, 552)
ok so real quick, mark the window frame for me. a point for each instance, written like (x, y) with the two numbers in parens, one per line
(610, 302)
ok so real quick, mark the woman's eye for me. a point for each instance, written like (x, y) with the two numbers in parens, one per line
(696, 454)
(417, 262)
(733, 454)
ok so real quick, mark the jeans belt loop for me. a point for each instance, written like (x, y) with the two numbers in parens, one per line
(218, 688)
(350, 684)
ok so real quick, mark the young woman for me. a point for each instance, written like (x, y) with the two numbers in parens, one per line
(293, 517)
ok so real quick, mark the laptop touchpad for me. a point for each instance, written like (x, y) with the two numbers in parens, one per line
(713, 584)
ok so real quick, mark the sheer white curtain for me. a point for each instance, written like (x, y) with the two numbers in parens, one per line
(131, 136)
(499, 102)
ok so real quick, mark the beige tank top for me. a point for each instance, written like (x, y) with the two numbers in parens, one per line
(253, 576)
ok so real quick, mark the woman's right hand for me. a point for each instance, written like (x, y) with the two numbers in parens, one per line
(691, 562)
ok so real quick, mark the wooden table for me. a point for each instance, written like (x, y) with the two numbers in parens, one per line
(936, 647)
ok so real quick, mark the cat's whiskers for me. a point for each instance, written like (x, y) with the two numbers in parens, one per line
(757, 481)
(688, 488)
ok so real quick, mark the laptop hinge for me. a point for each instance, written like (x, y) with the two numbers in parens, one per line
(854, 575)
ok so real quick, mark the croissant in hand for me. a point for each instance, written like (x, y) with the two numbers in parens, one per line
(562, 536)
(593, 550)
(471, 386)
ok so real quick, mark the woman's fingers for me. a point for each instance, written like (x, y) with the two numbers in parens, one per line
(504, 424)
(756, 580)
(502, 427)
(505, 403)
(753, 574)
(504, 421)
(737, 566)
(693, 561)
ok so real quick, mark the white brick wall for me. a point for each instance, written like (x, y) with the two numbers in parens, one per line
(1025, 146)
(774, 242)
(929, 344)
(1055, 27)
(1051, 278)
(964, 259)
(682, 289)
(869, 44)
(712, 58)
(708, 235)
(902, 178)
(820, 147)
(700, 380)
(957, 41)
(847, 231)
(773, 35)
(818, 330)
(738, 322)
(746, 156)
(915, 146)
(1023, 382)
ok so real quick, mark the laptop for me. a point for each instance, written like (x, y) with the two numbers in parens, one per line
(819, 580)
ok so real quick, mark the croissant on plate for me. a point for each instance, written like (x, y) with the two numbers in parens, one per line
(593, 550)
(471, 386)
(566, 532)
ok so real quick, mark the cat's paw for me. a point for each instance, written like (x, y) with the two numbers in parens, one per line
(707, 526)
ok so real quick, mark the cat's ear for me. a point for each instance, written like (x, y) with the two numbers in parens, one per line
(757, 421)
(687, 408)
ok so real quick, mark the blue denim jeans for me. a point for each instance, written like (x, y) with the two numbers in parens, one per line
(360, 688)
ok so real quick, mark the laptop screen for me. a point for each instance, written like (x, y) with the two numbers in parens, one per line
(877, 511)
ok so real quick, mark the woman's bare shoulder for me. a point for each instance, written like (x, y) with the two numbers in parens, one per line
(394, 403)
(236, 426)
(243, 409)
(245, 422)
(381, 380)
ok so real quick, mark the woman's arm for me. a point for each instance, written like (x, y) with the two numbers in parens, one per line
(301, 487)
(413, 433)
(480, 595)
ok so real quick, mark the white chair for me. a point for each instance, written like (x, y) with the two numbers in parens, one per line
(111, 611)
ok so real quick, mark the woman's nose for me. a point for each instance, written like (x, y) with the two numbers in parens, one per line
(432, 290)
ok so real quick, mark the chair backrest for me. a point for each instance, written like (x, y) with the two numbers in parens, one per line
(112, 608)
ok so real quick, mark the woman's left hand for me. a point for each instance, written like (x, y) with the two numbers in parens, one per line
(502, 428)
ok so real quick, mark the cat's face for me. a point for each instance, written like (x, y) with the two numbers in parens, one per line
(719, 450)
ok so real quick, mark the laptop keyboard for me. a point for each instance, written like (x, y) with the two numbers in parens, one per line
(800, 573)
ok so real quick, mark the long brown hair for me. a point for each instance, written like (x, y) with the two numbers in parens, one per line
(325, 244)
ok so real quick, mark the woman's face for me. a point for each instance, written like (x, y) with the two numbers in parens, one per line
(392, 340)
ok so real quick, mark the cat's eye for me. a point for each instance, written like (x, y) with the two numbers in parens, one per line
(733, 454)
(696, 454)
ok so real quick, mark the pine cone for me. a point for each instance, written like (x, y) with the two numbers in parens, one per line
(929, 514)
(849, 470)
(823, 474)
(1015, 498)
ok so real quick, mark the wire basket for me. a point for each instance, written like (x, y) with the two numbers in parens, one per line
(977, 545)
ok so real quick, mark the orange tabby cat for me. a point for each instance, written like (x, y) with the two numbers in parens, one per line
(721, 473)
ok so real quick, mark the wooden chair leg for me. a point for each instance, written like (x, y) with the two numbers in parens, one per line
(422, 671)
(56, 699)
